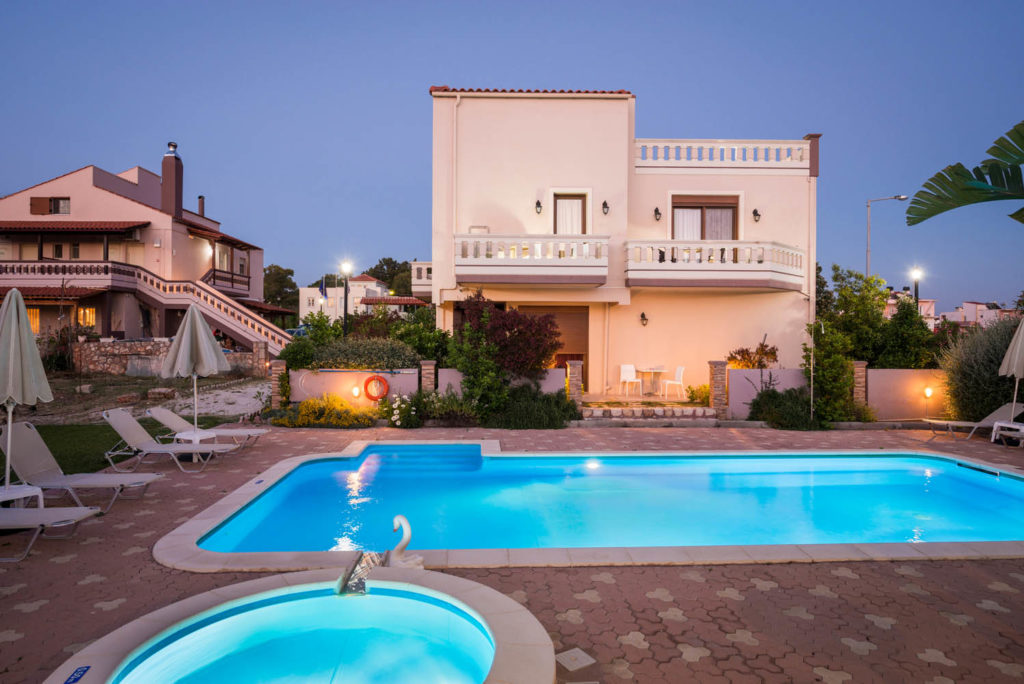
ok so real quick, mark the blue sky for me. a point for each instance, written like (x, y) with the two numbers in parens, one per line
(307, 125)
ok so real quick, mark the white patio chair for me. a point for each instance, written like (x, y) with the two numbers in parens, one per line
(138, 444)
(627, 376)
(175, 423)
(33, 463)
(678, 383)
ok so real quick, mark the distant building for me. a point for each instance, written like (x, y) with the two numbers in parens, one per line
(364, 294)
(926, 307)
(977, 313)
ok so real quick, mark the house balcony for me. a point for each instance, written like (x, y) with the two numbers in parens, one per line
(705, 263)
(422, 279)
(531, 259)
(234, 284)
(655, 155)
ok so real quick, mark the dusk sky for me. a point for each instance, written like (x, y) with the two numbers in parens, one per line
(308, 125)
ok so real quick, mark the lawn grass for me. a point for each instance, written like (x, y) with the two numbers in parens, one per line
(80, 448)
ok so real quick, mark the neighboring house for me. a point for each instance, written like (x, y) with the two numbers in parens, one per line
(978, 313)
(422, 279)
(364, 294)
(926, 307)
(648, 252)
(118, 253)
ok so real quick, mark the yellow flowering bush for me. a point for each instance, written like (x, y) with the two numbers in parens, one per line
(328, 411)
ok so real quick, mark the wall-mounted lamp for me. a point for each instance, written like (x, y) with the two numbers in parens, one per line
(657, 214)
(538, 207)
(644, 320)
(156, 243)
(757, 216)
(355, 391)
(604, 207)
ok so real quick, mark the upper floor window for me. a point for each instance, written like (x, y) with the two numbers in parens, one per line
(241, 266)
(311, 301)
(570, 214)
(75, 250)
(49, 205)
(58, 251)
(704, 218)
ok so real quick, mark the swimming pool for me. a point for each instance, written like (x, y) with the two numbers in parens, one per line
(456, 498)
(309, 633)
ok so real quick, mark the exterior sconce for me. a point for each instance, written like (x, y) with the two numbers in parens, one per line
(928, 392)
(644, 320)
(538, 207)
(657, 214)
(355, 391)
(604, 207)
(757, 216)
(156, 243)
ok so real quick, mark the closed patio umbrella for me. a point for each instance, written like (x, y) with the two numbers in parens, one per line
(22, 378)
(1013, 362)
(195, 353)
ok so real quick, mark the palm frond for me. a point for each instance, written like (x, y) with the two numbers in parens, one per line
(1009, 149)
(955, 187)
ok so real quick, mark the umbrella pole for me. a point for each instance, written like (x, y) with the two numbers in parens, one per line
(7, 466)
(1013, 411)
(195, 401)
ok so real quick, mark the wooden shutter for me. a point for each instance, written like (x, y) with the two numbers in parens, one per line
(39, 205)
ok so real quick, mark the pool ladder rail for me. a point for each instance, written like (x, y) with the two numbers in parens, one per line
(354, 581)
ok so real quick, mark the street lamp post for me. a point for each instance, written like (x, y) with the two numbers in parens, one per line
(901, 198)
(916, 275)
(346, 271)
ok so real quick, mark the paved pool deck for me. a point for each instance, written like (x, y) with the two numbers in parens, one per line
(901, 621)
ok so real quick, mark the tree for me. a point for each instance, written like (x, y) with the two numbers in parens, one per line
(998, 178)
(824, 300)
(402, 283)
(1019, 304)
(759, 357)
(279, 287)
(858, 311)
(906, 339)
(329, 280)
(386, 269)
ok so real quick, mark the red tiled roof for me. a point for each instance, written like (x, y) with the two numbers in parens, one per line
(263, 307)
(215, 235)
(51, 292)
(71, 226)
(374, 301)
(449, 89)
(364, 278)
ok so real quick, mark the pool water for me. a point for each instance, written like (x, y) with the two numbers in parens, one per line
(310, 634)
(456, 499)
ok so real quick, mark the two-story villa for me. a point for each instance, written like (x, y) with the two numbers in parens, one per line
(365, 294)
(120, 254)
(650, 252)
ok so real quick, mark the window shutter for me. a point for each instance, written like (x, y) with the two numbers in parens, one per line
(39, 205)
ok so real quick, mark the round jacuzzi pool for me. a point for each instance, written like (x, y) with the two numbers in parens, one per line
(308, 633)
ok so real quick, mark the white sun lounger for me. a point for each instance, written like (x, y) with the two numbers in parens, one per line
(138, 444)
(1001, 414)
(38, 520)
(34, 464)
(175, 423)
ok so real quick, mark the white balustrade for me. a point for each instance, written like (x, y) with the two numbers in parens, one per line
(685, 257)
(766, 154)
(569, 250)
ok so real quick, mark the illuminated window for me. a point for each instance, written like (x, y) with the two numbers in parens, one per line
(87, 316)
(330, 301)
(33, 319)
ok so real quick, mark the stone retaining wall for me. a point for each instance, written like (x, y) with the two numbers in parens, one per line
(145, 357)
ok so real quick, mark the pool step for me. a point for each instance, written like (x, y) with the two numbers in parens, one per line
(648, 413)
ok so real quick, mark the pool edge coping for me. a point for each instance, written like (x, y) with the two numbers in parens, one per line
(179, 548)
(522, 650)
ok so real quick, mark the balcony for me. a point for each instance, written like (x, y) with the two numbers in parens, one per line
(227, 282)
(678, 263)
(652, 154)
(422, 279)
(531, 259)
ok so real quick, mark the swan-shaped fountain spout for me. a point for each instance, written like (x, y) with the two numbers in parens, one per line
(398, 559)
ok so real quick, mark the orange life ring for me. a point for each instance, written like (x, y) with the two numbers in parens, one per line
(381, 383)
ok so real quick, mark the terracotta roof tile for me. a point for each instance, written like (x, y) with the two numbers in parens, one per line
(396, 300)
(364, 278)
(525, 91)
(71, 226)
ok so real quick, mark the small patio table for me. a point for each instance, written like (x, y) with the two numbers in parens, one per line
(18, 492)
(195, 436)
(1008, 428)
(653, 372)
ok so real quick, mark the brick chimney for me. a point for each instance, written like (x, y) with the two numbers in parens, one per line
(202, 205)
(171, 182)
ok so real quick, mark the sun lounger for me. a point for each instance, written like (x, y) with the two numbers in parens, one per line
(33, 463)
(175, 423)
(1002, 413)
(138, 444)
(1003, 429)
(38, 520)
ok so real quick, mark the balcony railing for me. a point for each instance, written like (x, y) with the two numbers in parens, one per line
(568, 259)
(748, 154)
(226, 280)
(699, 263)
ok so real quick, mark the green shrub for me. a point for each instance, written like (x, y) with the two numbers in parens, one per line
(833, 373)
(427, 340)
(787, 410)
(701, 394)
(328, 411)
(862, 413)
(298, 353)
(530, 409)
(450, 409)
(284, 386)
(906, 339)
(974, 387)
(370, 353)
(483, 381)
